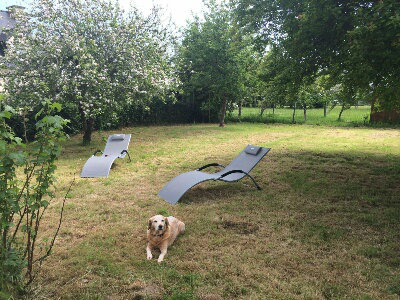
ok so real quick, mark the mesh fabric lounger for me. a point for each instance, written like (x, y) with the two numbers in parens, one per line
(236, 170)
(99, 166)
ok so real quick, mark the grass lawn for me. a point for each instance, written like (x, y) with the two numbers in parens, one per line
(325, 226)
(355, 116)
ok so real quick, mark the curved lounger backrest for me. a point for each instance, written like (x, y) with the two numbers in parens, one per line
(117, 143)
(245, 161)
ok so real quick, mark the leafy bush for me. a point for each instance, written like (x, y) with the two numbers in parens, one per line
(25, 198)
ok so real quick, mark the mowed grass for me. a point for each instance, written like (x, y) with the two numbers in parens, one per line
(353, 117)
(325, 226)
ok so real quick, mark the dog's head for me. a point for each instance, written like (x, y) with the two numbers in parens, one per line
(158, 224)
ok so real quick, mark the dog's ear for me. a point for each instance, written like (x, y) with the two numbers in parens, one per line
(166, 223)
(150, 222)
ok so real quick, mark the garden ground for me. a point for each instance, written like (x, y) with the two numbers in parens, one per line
(325, 226)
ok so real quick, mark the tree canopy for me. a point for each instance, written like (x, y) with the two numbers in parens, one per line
(214, 59)
(89, 54)
(356, 42)
(111, 67)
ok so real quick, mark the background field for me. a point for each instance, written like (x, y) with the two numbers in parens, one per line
(325, 226)
(355, 116)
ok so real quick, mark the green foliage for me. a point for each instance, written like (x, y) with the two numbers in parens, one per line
(11, 267)
(355, 42)
(281, 79)
(353, 117)
(215, 62)
(92, 57)
(24, 199)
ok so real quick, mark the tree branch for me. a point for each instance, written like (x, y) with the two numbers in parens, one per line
(40, 259)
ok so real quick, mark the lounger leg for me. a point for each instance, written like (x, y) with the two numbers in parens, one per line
(255, 183)
(240, 171)
(97, 151)
(124, 151)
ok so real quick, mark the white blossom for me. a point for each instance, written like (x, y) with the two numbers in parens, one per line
(88, 53)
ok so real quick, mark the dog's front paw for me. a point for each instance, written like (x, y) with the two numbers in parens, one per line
(149, 256)
(160, 260)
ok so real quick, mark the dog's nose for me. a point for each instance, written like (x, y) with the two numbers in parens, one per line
(159, 226)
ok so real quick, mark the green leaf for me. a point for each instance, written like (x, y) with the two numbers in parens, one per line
(56, 106)
(5, 114)
(44, 203)
(39, 113)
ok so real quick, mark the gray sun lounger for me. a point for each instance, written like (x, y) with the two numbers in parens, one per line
(99, 166)
(236, 170)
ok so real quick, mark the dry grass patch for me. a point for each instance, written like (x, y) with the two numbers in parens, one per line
(325, 225)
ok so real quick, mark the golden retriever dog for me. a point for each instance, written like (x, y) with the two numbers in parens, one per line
(161, 233)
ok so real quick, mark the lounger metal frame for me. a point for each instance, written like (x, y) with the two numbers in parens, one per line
(228, 173)
(122, 152)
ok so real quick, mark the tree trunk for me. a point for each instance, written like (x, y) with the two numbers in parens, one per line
(240, 111)
(341, 111)
(87, 127)
(87, 134)
(223, 111)
(305, 112)
(372, 108)
(194, 115)
(209, 109)
(325, 110)
(294, 113)
(373, 103)
(273, 108)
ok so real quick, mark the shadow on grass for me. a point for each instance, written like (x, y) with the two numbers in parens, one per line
(342, 203)
(330, 194)
(369, 180)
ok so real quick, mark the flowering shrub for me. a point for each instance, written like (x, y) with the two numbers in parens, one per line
(90, 53)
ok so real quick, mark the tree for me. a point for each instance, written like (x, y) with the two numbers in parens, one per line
(90, 54)
(281, 78)
(325, 91)
(355, 42)
(210, 59)
(250, 83)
